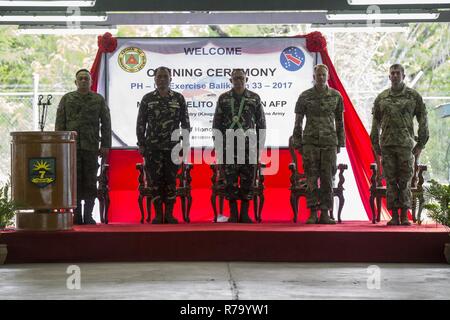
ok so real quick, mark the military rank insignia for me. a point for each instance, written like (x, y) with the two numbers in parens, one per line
(42, 171)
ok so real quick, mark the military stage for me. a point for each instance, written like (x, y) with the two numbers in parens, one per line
(353, 241)
(275, 238)
(276, 194)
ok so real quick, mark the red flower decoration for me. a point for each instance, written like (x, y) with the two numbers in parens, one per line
(316, 42)
(107, 43)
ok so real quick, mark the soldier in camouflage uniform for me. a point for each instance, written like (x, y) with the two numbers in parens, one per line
(86, 113)
(160, 113)
(319, 142)
(393, 112)
(237, 111)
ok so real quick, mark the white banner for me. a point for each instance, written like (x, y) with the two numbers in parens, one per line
(278, 69)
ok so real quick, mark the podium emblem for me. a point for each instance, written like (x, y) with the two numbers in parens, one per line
(42, 171)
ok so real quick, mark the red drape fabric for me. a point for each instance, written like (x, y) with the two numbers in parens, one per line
(106, 44)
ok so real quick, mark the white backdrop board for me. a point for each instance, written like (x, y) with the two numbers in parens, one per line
(278, 69)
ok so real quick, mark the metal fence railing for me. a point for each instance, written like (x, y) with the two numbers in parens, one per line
(16, 114)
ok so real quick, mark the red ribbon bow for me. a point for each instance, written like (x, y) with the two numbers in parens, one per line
(316, 42)
(107, 43)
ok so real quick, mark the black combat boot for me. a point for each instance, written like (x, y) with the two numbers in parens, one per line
(233, 212)
(312, 216)
(404, 217)
(244, 218)
(77, 218)
(168, 214)
(394, 221)
(87, 212)
(158, 204)
(325, 217)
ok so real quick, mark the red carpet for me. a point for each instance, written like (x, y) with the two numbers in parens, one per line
(349, 242)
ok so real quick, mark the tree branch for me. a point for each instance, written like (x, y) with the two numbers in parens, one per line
(219, 31)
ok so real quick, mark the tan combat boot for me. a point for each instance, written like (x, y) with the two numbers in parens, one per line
(77, 218)
(87, 212)
(157, 203)
(404, 217)
(244, 218)
(168, 214)
(233, 212)
(325, 217)
(312, 217)
(394, 221)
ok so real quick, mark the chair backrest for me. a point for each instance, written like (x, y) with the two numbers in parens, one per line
(102, 178)
(417, 179)
(294, 166)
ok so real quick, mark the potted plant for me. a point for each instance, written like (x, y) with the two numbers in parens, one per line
(438, 206)
(7, 212)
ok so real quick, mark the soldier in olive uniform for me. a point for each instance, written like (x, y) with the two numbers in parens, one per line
(160, 113)
(86, 113)
(393, 112)
(238, 111)
(319, 142)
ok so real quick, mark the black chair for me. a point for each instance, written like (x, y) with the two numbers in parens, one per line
(183, 191)
(103, 192)
(218, 190)
(378, 190)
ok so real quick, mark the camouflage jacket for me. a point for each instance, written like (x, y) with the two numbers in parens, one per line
(88, 115)
(158, 117)
(324, 118)
(228, 114)
(393, 113)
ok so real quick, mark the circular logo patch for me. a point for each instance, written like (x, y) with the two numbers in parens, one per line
(132, 59)
(292, 58)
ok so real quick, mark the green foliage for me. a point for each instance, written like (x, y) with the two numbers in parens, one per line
(7, 206)
(435, 151)
(363, 62)
(438, 203)
(54, 58)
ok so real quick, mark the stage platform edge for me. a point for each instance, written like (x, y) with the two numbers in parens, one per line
(355, 241)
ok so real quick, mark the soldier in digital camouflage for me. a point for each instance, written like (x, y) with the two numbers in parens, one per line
(161, 112)
(86, 113)
(393, 113)
(319, 142)
(238, 112)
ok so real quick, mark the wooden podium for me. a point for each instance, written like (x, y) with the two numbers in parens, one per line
(43, 179)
